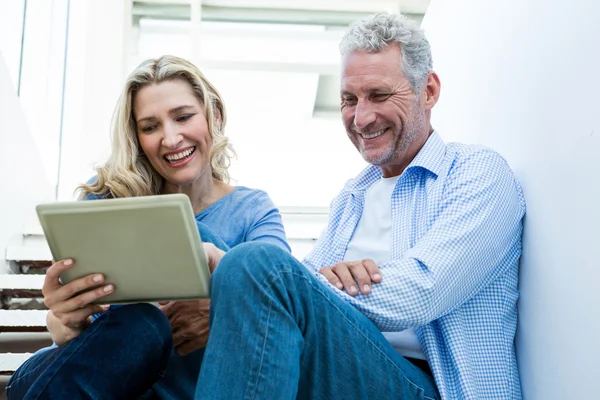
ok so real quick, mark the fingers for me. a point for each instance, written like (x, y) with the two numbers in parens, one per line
(185, 340)
(342, 271)
(64, 293)
(178, 337)
(82, 300)
(372, 270)
(77, 319)
(52, 279)
(353, 276)
(361, 276)
(184, 349)
(189, 346)
(186, 312)
(331, 277)
(171, 308)
(204, 305)
(212, 255)
(167, 308)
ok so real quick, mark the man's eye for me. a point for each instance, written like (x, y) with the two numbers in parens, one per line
(381, 96)
(349, 100)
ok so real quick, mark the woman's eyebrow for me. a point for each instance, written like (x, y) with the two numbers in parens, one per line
(171, 111)
(180, 108)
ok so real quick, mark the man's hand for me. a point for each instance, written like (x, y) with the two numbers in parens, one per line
(189, 323)
(348, 275)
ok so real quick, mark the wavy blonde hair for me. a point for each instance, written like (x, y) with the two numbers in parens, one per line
(128, 172)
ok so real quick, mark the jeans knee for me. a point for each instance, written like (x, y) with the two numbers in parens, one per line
(249, 261)
(138, 320)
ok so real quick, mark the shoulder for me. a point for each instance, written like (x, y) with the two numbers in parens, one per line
(95, 196)
(477, 159)
(248, 196)
(481, 166)
(251, 204)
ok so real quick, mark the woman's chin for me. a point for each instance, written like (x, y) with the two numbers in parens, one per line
(182, 178)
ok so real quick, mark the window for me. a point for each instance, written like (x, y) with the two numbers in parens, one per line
(275, 62)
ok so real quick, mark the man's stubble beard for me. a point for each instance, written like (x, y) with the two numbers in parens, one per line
(403, 139)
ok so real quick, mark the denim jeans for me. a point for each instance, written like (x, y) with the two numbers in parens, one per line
(279, 333)
(276, 333)
(121, 355)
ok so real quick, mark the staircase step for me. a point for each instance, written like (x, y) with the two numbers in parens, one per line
(26, 282)
(9, 362)
(24, 342)
(28, 252)
(23, 320)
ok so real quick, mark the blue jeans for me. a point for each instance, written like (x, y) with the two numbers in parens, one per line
(279, 333)
(120, 356)
(276, 333)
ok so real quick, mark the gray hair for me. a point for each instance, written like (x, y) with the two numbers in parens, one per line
(378, 31)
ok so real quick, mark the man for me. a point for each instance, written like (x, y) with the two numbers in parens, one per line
(425, 241)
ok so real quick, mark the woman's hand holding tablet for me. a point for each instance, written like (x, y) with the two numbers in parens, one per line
(71, 305)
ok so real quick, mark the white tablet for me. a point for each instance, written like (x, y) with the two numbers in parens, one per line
(148, 247)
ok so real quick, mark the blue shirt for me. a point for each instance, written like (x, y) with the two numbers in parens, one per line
(457, 214)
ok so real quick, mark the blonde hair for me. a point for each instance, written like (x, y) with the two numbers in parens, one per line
(128, 172)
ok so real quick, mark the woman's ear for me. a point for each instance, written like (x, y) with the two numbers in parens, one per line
(218, 114)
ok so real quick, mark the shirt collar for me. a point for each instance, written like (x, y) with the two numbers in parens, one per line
(430, 157)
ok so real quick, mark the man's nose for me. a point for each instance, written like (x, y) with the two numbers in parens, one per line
(364, 115)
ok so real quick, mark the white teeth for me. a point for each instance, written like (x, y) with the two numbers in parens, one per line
(373, 135)
(179, 156)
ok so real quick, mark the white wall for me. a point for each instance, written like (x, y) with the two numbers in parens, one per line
(42, 77)
(24, 183)
(95, 73)
(11, 28)
(522, 77)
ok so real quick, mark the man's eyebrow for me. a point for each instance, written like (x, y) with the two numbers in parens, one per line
(171, 111)
(368, 91)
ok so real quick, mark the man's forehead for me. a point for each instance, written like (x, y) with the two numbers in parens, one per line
(369, 75)
(361, 63)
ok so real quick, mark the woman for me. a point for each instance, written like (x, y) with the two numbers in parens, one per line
(167, 137)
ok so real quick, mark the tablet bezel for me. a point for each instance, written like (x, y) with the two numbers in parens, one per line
(188, 278)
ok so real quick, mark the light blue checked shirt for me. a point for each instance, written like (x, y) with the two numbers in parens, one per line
(457, 215)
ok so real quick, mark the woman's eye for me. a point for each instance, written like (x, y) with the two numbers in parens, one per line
(150, 128)
(183, 118)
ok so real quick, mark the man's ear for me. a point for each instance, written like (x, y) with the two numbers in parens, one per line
(432, 90)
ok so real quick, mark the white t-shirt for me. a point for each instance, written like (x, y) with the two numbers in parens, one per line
(373, 239)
